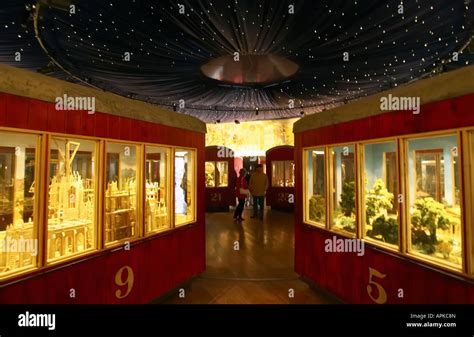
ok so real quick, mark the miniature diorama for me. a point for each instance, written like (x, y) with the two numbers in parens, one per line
(71, 197)
(121, 192)
(156, 199)
(17, 199)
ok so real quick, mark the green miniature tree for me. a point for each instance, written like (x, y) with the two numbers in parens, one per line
(387, 228)
(378, 201)
(317, 207)
(347, 202)
(428, 216)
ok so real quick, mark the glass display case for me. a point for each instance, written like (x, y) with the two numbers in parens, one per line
(315, 203)
(343, 188)
(18, 236)
(210, 171)
(71, 197)
(434, 198)
(217, 174)
(94, 193)
(121, 192)
(283, 173)
(184, 191)
(380, 192)
(157, 173)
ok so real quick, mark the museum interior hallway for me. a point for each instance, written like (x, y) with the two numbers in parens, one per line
(257, 270)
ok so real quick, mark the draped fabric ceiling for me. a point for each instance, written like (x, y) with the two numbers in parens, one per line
(388, 43)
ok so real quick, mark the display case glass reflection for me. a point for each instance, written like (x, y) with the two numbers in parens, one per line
(184, 194)
(157, 215)
(283, 173)
(18, 239)
(434, 197)
(343, 188)
(71, 197)
(121, 192)
(381, 192)
(315, 186)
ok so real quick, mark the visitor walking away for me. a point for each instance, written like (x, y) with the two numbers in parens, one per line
(258, 187)
(241, 191)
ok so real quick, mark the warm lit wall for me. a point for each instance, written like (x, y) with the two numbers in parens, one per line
(251, 138)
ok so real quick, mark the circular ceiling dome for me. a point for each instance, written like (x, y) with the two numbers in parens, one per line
(250, 69)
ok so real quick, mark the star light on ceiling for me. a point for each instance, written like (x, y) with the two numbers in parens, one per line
(342, 50)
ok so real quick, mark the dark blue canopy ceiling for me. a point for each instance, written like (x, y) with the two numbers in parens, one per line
(168, 47)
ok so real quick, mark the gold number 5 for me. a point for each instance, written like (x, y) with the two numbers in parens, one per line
(382, 295)
(128, 282)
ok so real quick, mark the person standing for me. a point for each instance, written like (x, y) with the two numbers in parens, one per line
(258, 187)
(241, 191)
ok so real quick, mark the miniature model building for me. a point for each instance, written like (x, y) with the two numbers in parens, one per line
(121, 192)
(156, 210)
(71, 203)
(17, 174)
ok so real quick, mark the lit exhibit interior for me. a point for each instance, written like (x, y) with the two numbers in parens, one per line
(249, 146)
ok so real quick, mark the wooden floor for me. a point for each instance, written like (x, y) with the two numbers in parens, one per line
(249, 263)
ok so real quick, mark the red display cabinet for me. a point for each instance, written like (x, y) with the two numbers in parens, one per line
(384, 196)
(280, 169)
(221, 169)
(90, 196)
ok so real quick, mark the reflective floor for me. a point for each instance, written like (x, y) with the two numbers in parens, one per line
(249, 263)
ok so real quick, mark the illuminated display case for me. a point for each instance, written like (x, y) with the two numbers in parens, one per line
(280, 169)
(18, 228)
(72, 203)
(157, 176)
(132, 175)
(283, 173)
(434, 191)
(80, 192)
(221, 169)
(72, 225)
(217, 174)
(185, 194)
(121, 192)
(315, 186)
(433, 198)
(380, 192)
(342, 188)
(398, 183)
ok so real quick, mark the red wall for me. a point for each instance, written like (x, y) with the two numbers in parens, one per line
(347, 275)
(278, 197)
(221, 197)
(159, 263)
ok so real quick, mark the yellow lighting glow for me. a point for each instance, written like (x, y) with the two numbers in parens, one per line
(251, 138)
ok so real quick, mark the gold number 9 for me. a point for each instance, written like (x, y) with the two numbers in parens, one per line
(382, 295)
(128, 282)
